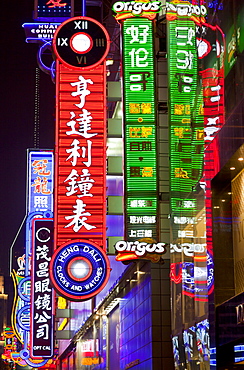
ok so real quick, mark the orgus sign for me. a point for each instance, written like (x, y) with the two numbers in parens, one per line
(140, 248)
(136, 8)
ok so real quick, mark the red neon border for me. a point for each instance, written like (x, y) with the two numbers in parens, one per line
(74, 297)
(84, 19)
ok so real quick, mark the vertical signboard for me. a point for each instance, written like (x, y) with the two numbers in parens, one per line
(40, 181)
(186, 131)
(139, 120)
(140, 126)
(186, 123)
(42, 302)
(81, 45)
(31, 318)
(80, 199)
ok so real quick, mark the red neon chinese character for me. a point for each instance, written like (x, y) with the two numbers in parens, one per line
(39, 166)
(41, 185)
(55, 3)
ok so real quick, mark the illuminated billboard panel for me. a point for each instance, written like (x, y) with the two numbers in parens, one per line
(183, 83)
(80, 45)
(54, 9)
(140, 129)
(42, 300)
(40, 181)
(80, 198)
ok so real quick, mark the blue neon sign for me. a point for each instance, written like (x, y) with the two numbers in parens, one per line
(40, 185)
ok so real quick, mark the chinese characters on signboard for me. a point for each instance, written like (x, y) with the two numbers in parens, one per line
(140, 129)
(80, 45)
(42, 302)
(40, 195)
(80, 196)
(54, 9)
(183, 83)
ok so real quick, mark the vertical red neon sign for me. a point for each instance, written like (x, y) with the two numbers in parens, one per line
(80, 200)
(81, 45)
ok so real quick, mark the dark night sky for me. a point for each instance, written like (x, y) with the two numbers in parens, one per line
(17, 85)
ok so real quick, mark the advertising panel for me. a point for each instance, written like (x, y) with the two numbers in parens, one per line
(186, 46)
(80, 45)
(80, 198)
(53, 9)
(140, 160)
(40, 181)
(42, 300)
(140, 122)
(81, 132)
(183, 84)
(33, 294)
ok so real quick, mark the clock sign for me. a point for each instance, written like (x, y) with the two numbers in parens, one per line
(81, 43)
(79, 270)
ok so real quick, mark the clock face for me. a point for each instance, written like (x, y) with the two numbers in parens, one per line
(81, 43)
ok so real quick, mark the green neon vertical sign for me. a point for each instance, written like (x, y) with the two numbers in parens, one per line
(140, 129)
(186, 113)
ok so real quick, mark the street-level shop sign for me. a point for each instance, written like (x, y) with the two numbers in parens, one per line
(40, 183)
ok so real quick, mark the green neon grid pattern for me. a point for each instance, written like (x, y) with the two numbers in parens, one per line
(140, 128)
(138, 67)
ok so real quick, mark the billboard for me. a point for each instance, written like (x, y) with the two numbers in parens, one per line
(33, 294)
(40, 181)
(53, 9)
(80, 199)
(140, 160)
(42, 299)
(80, 45)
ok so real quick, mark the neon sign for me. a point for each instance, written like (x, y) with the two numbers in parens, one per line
(79, 270)
(138, 249)
(54, 9)
(81, 130)
(81, 158)
(139, 120)
(130, 9)
(39, 205)
(40, 174)
(189, 249)
(81, 45)
(39, 32)
(183, 80)
(42, 302)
